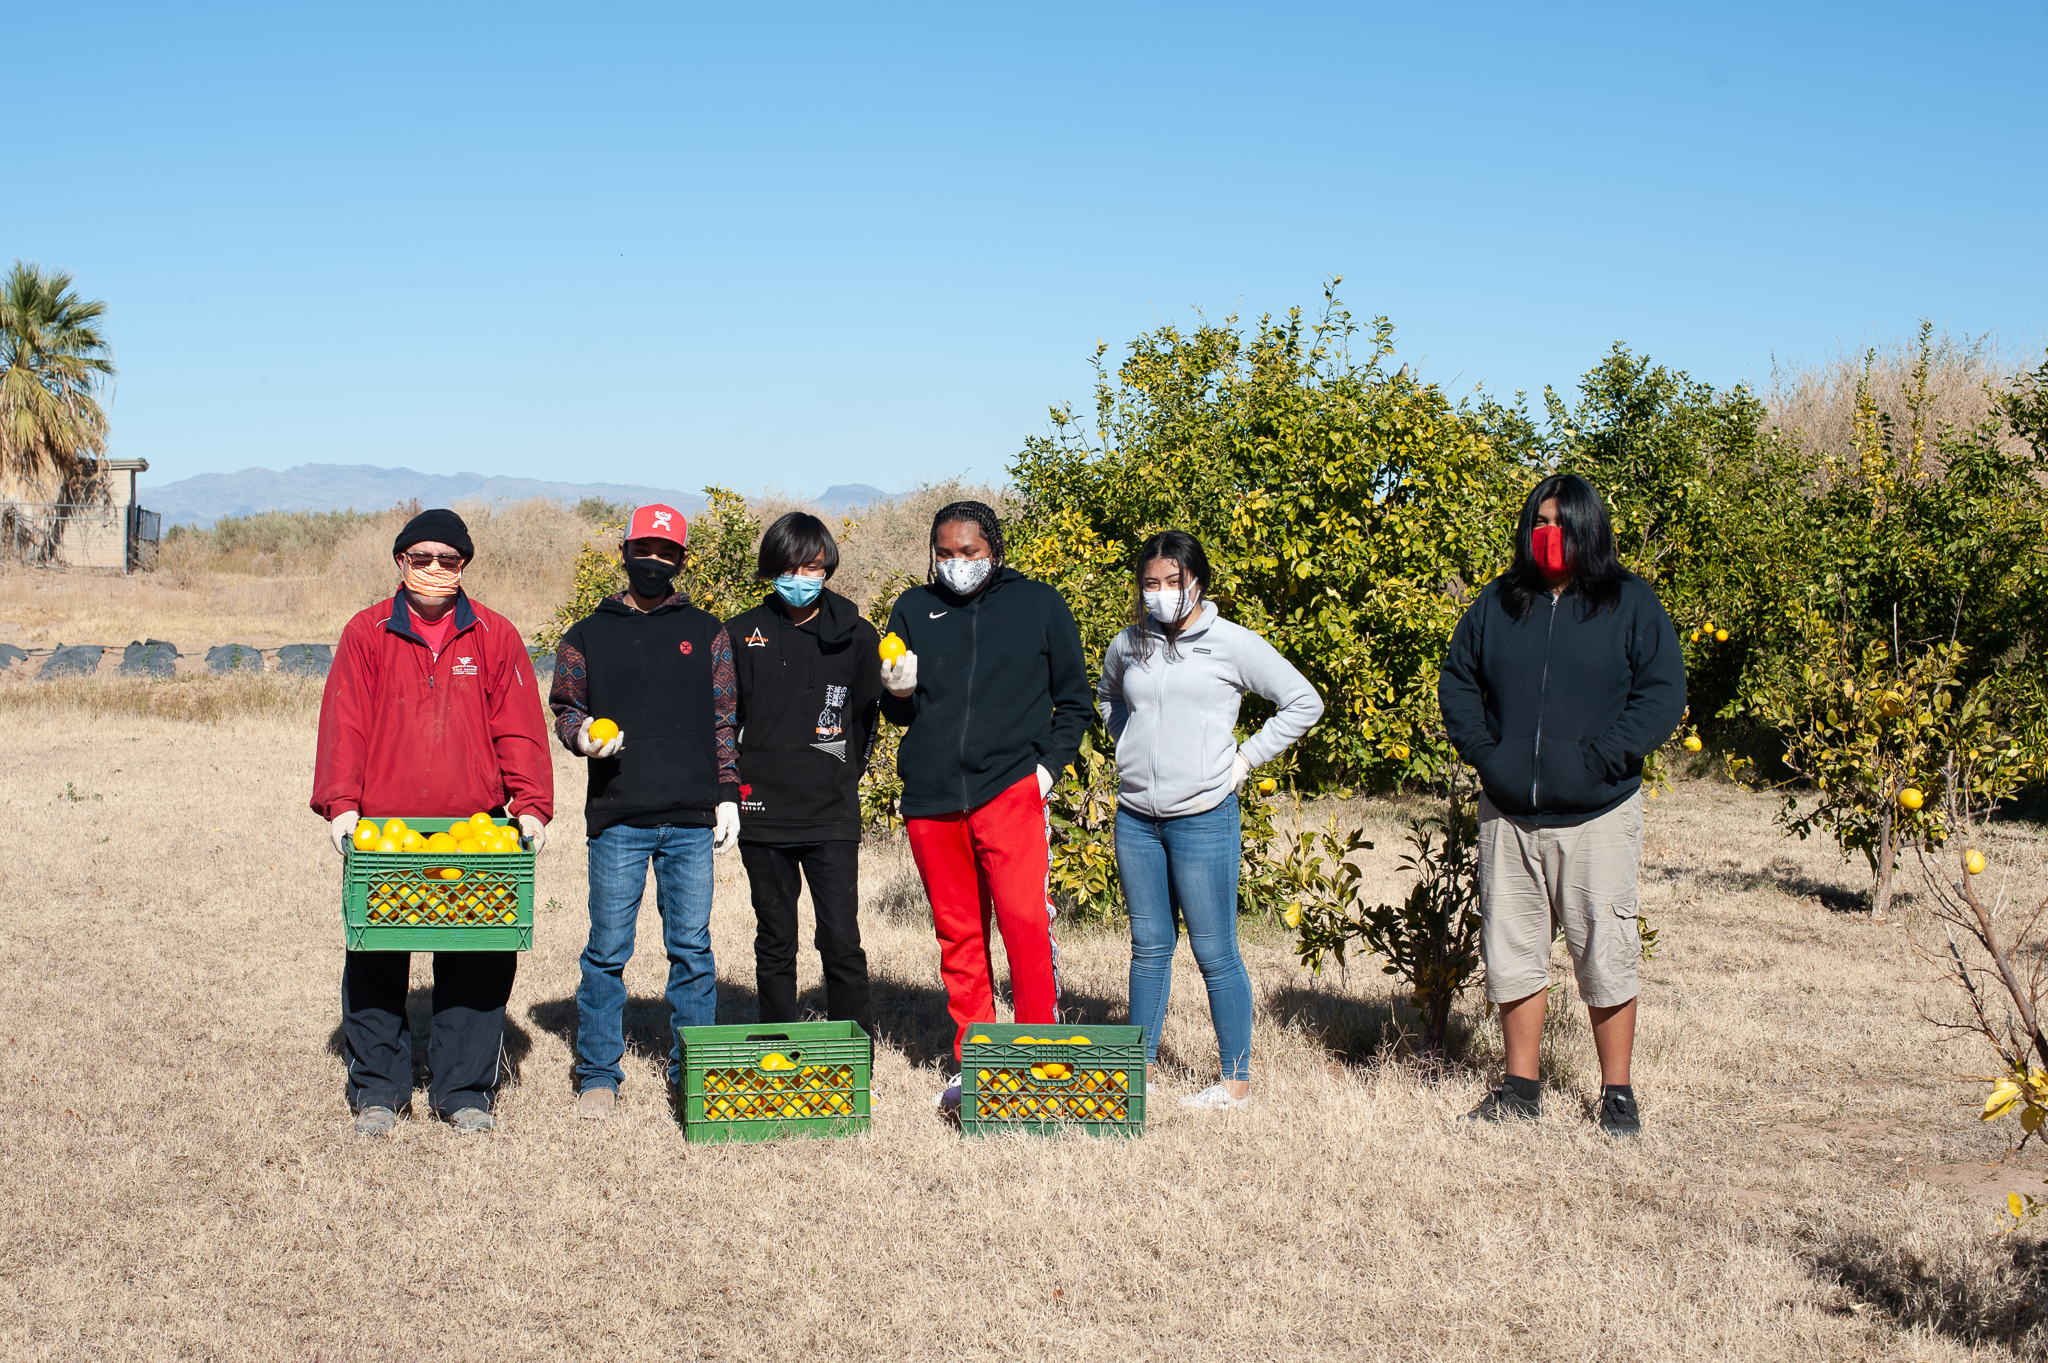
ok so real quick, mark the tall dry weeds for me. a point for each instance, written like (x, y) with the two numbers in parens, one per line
(1818, 399)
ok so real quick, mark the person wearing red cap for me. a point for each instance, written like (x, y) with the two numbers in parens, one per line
(664, 789)
(430, 711)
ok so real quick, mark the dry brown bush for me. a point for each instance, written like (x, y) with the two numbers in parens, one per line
(1818, 399)
(178, 1179)
(890, 544)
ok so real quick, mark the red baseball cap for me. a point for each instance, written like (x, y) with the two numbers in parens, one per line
(657, 522)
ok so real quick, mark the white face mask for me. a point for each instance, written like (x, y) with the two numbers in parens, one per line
(964, 576)
(1168, 607)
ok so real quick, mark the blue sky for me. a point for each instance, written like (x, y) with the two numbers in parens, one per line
(802, 245)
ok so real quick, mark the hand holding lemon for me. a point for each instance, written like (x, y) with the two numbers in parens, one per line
(599, 738)
(899, 666)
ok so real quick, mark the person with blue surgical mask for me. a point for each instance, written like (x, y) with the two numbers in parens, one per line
(809, 672)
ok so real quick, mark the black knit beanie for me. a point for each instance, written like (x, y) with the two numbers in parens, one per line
(439, 526)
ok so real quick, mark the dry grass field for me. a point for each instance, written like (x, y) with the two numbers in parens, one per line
(178, 1178)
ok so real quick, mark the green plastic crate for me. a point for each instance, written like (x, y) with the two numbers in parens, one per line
(389, 903)
(1102, 1093)
(729, 1095)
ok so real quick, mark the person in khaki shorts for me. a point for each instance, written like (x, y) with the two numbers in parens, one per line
(1563, 674)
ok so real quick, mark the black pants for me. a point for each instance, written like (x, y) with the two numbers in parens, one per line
(832, 870)
(471, 989)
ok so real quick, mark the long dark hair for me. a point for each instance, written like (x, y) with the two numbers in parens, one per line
(978, 513)
(793, 542)
(1177, 547)
(1597, 574)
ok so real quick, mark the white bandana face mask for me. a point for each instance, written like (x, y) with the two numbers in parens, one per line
(1168, 607)
(964, 576)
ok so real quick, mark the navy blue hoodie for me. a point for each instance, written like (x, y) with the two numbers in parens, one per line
(1558, 709)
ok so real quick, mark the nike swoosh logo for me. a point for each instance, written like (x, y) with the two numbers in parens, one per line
(937, 614)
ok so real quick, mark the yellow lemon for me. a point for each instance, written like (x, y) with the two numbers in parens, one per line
(366, 835)
(978, 1040)
(410, 841)
(1022, 1040)
(469, 847)
(1400, 752)
(1692, 743)
(1911, 798)
(603, 731)
(440, 842)
(387, 845)
(1720, 636)
(1695, 636)
(892, 649)
(451, 873)
(1077, 1041)
(1973, 862)
(1268, 786)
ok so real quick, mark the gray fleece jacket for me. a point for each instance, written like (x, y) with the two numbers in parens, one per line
(1173, 718)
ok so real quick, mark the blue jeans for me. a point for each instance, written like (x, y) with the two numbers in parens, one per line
(1185, 869)
(682, 891)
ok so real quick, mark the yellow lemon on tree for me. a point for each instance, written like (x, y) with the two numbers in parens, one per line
(1911, 798)
(1692, 743)
(1400, 752)
(1708, 627)
(1268, 786)
(892, 648)
(603, 731)
(1720, 636)
(1973, 862)
(1695, 636)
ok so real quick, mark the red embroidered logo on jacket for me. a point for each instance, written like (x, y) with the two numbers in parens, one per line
(686, 645)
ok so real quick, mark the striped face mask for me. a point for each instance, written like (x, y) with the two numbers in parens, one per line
(432, 580)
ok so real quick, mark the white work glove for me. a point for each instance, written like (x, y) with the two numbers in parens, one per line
(589, 749)
(340, 827)
(726, 831)
(1044, 783)
(900, 676)
(533, 830)
(1239, 769)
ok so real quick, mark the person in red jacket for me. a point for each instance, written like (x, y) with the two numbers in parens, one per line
(430, 712)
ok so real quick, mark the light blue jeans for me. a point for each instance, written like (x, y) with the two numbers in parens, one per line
(1184, 871)
(682, 891)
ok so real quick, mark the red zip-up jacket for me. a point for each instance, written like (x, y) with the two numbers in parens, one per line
(405, 732)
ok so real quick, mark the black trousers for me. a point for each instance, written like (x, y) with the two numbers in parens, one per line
(832, 869)
(471, 989)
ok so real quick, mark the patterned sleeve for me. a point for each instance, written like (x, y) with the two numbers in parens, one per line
(725, 711)
(569, 697)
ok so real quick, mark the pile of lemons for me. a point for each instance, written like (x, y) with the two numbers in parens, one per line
(778, 1087)
(469, 837)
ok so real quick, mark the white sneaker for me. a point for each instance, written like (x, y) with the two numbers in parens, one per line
(1215, 1097)
(948, 1100)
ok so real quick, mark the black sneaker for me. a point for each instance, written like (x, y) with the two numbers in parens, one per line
(1618, 1115)
(1505, 1105)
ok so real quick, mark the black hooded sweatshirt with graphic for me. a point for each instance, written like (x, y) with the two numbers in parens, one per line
(808, 699)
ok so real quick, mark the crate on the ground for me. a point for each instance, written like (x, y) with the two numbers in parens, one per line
(406, 901)
(774, 1079)
(1045, 1077)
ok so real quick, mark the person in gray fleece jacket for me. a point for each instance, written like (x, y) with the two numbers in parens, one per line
(1170, 690)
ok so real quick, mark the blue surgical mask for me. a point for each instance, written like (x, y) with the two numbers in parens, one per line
(798, 590)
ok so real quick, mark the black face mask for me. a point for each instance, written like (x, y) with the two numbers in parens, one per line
(651, 578)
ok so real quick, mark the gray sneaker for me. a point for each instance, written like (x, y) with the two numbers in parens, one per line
(375, 1121)
(1504, 1105)
(473, 1121)
(595, 1104)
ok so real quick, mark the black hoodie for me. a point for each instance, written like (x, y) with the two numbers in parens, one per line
(1558, 709)
(808, 696)
(1002, 688)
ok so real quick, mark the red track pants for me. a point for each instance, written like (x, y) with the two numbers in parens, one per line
(991, 858)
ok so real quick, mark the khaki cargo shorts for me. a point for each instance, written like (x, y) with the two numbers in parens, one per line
(1582, 878)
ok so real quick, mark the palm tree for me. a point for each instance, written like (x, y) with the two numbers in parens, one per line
(53, 362)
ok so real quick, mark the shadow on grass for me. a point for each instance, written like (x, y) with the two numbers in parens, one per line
(1783, 875)
(1977, 1291)
(1356, 1031)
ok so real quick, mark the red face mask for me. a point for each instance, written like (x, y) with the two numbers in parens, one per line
(1546, 542)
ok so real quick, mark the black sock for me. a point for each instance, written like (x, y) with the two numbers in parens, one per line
(1528, 1090)
(1618, 1091)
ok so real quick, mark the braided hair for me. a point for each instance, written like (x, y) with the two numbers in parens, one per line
(981, 514)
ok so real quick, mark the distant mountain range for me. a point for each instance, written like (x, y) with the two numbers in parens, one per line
(205, 498)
